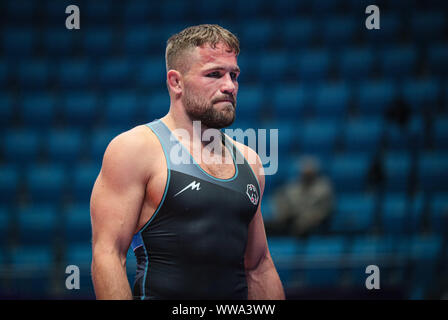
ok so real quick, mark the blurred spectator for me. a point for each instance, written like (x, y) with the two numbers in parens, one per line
(304, 204)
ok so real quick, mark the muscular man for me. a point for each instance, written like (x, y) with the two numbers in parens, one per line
(195, 226)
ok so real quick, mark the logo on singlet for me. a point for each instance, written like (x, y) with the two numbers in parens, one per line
(252, 193)
(193, 186)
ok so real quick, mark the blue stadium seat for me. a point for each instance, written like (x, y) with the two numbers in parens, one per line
(438, 213)
(248, 10)
(437, 61)
(391, 28)
(115, 73)
(80, 107)
(432, 171)
(399, 61)
(32, 267)
(273, 66)
(33, 74)
(100, 140)
(288, 101)
(287, 136)
(410, 138)
(137, 12)
(375, 97)
(5, 226)
(298, 32)
(59, 41)
(250, 102)
(9, 183)
(363, 135)
(397, 169)
(356, 63)
(394, 213)
(424, 252)
(210, 9)
(327, 6)
(99, 41)
(121, 107)
(46, 183)
(314, 65)
(354, 213)
(21, 11)
(21, 145)
(101, 11)
(152, 73)
(421, 95)
(5, 71)
(339, 31)
(428, 26)
(257, 34)
(76, 73)
(37, 224)
(322, 260)
(416, 213)
(38, 109)
(177, 10)
(331, 100)
(349, 172)
(318, 137)
(284, 251)
(77, 227)
(154, 105)
(83, 179)
(64, 145)
(6, 108)
(137, 40)
(440, 134)
(18, 42)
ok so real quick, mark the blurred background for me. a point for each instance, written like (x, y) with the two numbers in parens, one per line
(369, 107)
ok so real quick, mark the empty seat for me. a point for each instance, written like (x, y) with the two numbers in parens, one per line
(394, 213)
(80, 254)
(99, 141)
(339, 30)
(314, 65)
(59, 41)
(46, 183)
(438, 212)
(424, 253)
(80, 107)
(6, 107)
(363, 135)
(9, 183)
(75, 73)
(5, 227)
(273, 66)
(437, 61)
(37, 224)
(5, 72)
(152, 73)
(331, 100)
(399, 62)
(257, 34)
(115, 73)
(298, 32)
(77, 226)
(155, 105)
(18, 42)
(422, 95)
(33, 74)
(137, 40)
(417, 207)
(374, 97)
(428, 26)
(99, 41)
(432, 171)
(440, 133)
(322, 260)
(284, 251)
(38, 109)
(349, 172)
(318, 137)
(101, 11)
(250, 102)
(356, 63)
(21, 145)
(390, 30)
(83, 179)
(121, 107)
(354, 213)
(397, 168)
(288, 101)
(64, 145)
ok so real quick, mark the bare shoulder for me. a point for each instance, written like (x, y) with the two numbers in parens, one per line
(133, 150)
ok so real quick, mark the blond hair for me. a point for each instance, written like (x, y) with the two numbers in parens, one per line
(196, 36)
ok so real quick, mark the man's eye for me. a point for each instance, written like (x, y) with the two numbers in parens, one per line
(215, 74)
(233, 75)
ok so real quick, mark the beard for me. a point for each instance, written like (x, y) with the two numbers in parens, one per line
(199, 109)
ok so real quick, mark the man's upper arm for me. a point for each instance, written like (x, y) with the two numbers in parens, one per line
(118, 194)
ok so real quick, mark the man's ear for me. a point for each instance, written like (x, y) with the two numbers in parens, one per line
(174, 80)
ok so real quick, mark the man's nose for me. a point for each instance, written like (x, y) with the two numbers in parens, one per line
(228, 85)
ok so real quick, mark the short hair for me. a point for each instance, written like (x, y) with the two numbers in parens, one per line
(197, 36)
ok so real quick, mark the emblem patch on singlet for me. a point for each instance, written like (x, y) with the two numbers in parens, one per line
(252, 193)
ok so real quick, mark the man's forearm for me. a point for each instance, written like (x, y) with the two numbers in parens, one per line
(264, 283)
(109, 278)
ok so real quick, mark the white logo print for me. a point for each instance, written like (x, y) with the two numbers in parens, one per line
(252, 193)
(193, 185)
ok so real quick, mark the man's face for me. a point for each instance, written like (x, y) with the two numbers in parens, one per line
(211, 86)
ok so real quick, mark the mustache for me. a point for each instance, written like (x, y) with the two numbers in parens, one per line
(230, 98)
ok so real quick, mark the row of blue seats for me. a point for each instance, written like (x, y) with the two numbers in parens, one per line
(353, 63)
(398, 214)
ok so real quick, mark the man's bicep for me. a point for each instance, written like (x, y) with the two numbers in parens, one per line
(257, 247)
